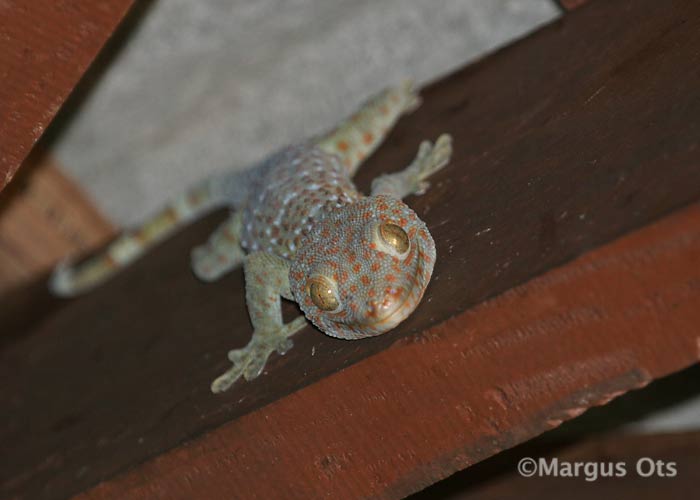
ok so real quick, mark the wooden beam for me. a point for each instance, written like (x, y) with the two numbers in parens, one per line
(481, 382)
(44, 216)
(46, 48)
(554, 155)
(498, 479)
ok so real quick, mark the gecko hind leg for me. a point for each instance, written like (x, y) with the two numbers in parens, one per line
(221, 253)
(267, 279)
(430, 159)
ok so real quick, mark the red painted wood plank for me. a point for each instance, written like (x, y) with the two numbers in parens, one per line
(636, 477)
(46, 47)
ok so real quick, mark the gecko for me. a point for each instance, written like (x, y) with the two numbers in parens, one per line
(356, 265)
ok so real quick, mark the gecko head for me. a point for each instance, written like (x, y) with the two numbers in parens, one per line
(363, 268)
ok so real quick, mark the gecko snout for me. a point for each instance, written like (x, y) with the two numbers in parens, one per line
(387, 311)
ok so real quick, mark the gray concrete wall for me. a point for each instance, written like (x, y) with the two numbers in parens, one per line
(216, 84)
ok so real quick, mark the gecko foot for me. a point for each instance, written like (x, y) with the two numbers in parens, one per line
(431, 158)
(250, 360)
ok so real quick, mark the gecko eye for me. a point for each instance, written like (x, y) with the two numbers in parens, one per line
(395, 237)
(323, 294)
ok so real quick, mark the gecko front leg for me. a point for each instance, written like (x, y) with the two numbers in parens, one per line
(413, 179)
(267, 279)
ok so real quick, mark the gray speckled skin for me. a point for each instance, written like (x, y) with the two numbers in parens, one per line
(293, 187)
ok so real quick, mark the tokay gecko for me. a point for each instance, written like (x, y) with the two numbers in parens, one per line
(356, 265)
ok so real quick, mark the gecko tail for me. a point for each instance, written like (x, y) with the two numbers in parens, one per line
(70, 279)
(62, 282)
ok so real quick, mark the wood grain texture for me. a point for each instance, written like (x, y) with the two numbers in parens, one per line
(44, 216)
(46, 47)
(554, 155)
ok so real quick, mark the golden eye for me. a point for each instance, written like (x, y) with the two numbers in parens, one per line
(323, 294)
(395, 237)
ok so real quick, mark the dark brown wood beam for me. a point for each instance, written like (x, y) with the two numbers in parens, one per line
(46, 48)
(571, 4)
(554, 155)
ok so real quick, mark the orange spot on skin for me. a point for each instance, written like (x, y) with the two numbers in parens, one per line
(370, 293)
(368, 138)
(365, 280)
(353, 288)
(390, 278)
(375, 267)
(342, 146)
(356, 268)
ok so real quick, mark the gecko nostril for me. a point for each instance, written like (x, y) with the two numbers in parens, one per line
(371, 307)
